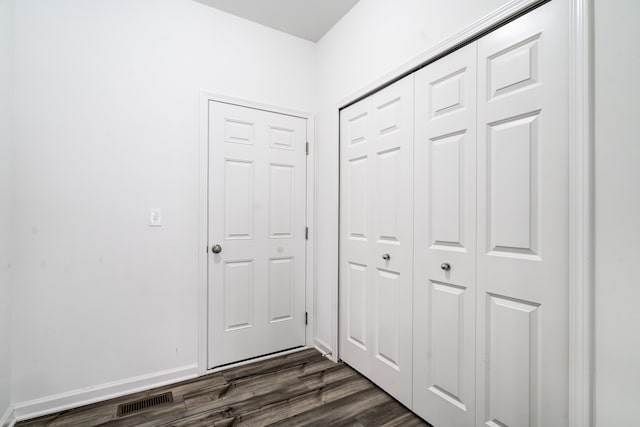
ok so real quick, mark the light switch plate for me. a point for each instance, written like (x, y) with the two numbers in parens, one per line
(155, 217)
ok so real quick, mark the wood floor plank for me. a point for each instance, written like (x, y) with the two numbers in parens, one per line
(409, 419)
(301, 388)
(275, 364)
(232, 409)
(280, 404)
(337, 411)
(246, 396)
(246, 389)
(388, 412)
(334, 373)
(280, 411)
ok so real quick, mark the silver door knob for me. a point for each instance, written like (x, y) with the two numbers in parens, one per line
(386, 257)
(445, 266)
(216, 249)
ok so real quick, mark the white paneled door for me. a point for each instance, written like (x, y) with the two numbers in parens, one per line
(445, 240)
(457, 303)
(523, 189)
(256, 259)
(376, 237)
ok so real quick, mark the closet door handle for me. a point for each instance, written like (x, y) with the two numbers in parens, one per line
(386, 257)
(216, 249)
(445, 266)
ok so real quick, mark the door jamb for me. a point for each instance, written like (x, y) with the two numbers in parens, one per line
(581, 184)
(203, 188)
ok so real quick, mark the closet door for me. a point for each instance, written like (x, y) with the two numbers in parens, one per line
(522, 340)
(376, 237)
(445, 240)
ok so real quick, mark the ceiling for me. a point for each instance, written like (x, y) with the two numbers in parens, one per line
(308, 19)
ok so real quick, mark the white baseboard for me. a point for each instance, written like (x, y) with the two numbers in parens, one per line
(8, 419)
(73, 399)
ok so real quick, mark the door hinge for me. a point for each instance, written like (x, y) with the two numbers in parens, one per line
(306, 233)
(306, 318)
(307, 148)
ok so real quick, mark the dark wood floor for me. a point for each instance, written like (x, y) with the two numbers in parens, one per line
(298, 389)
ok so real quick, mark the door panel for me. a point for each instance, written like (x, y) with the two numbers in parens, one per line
(376, 239)
(447, 196)
(387, 327)
(447, 307)
(356, 196)
(257, 202)
(281, 201)
(356, 305)
(522, 342)
(388, 169)
(512, 353)
(238, 294)
(238, 192)
(445, 230)
(281, 289)
(512, 181)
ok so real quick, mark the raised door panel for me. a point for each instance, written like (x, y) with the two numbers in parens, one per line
(446, 196)
(356, 198)
(282, 138)
(356, 304)
(239, 132)
(389, 210)
(445, 227)
(523, 188)
(513, 68)
(446, 376)
(387, 327)
(281, 289)
(513, 354)
(238, 199)
(238, 294)
(513, 185)
(281, 201)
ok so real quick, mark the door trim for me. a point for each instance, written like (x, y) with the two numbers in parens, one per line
(581, 186)
(203, 189)
(581, 214)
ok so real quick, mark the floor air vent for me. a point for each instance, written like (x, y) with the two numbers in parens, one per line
(139, 405)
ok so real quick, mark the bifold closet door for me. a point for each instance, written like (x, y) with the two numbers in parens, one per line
(522, 279)
(376, 237)
(445, 240)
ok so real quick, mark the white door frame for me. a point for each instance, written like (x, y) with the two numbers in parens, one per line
(581, 230)
(203, 191)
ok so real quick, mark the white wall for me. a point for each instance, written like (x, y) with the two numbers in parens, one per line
(107, 110)
(6, 125)
(373, 39)
(617, 158)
